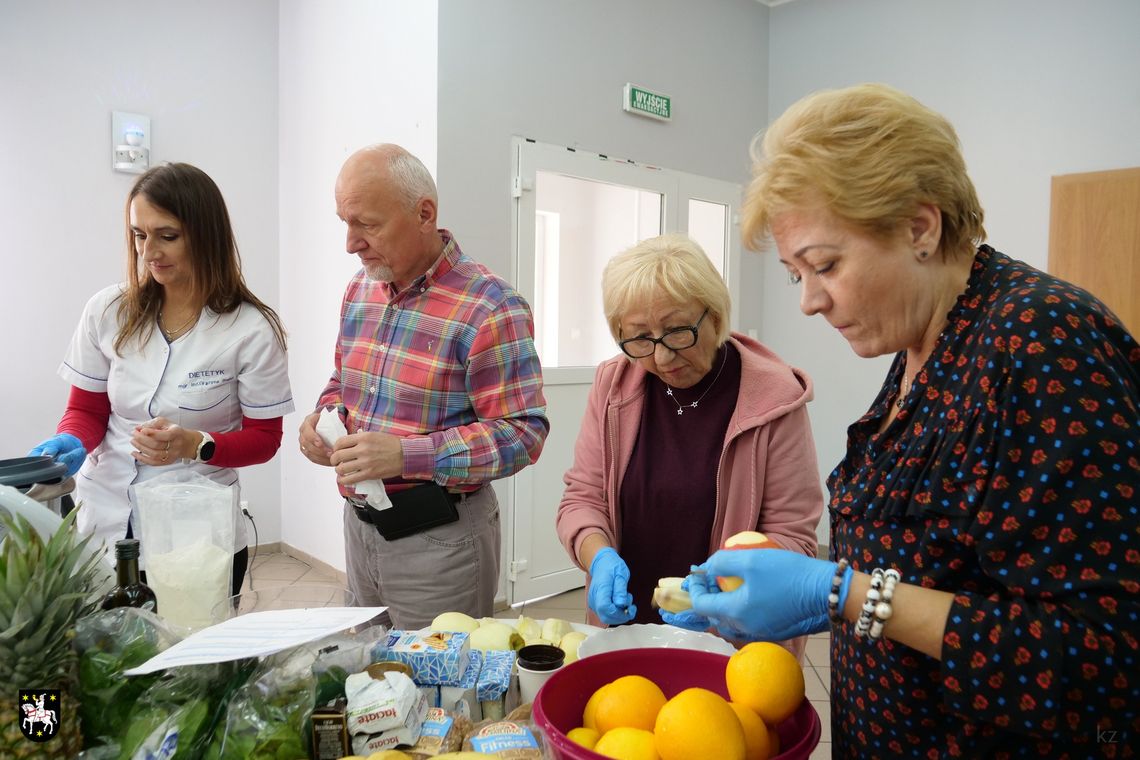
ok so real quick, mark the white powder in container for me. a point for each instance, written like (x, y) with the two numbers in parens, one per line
(190, 581)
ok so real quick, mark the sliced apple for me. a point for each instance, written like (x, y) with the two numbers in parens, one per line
(670, 597)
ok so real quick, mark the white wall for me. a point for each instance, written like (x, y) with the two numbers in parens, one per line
(1035, 88)
(210, 90)
(554, 72)
(352, 73)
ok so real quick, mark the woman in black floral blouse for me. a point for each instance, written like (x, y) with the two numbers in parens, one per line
(997, 472)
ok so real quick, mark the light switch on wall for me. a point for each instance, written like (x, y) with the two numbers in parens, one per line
(130, 142)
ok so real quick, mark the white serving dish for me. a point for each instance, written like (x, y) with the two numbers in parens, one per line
(651, 635)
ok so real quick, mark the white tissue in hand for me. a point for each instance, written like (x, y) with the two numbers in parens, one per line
(331, 429)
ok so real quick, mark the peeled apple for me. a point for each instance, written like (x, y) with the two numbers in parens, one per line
(570, 643)
(454, 621)
(748, 539)
(528, 628)
(670, 597)
(555, 628)
(495, 636)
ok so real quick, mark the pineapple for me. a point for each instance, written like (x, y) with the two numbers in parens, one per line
(44, 589)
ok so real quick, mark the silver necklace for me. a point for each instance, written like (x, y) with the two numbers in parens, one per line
(693, 405)
(904, 386)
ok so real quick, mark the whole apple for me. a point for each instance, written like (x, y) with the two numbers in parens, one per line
(748, 539)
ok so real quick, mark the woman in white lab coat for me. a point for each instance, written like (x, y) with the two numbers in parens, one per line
(180, 366)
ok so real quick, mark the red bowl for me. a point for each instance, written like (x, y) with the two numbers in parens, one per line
(559, 704)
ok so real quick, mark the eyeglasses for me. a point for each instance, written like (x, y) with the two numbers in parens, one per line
(677, 339)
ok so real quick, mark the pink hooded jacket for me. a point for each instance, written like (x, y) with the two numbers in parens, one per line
(767, 480)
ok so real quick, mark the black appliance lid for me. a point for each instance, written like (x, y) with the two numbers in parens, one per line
(24, 472)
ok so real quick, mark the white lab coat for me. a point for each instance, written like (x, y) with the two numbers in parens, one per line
(225, 367)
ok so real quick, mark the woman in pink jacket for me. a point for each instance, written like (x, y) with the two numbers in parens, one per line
(694, 434)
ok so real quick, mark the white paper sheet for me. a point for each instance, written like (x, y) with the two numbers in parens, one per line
(256, 634)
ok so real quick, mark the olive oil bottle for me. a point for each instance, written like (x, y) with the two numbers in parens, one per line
(129, 590)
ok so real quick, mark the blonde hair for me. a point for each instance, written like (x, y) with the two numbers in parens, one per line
(671, 266)
(869, 154)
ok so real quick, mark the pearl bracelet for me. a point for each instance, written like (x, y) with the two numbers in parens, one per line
(833, 610)
(883, 609)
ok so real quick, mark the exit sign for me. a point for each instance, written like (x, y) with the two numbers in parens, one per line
(643, 102)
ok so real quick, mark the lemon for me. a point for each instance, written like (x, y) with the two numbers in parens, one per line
(625, 743)
(586, 737)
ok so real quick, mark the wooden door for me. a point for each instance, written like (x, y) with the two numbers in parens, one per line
(1094, 237)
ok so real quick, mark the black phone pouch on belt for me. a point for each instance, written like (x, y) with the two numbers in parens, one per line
(413, 510)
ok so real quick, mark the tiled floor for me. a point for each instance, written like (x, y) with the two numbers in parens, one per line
(280, 570)
(276, 569)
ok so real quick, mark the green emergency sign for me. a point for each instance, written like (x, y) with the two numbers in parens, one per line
(647, 103)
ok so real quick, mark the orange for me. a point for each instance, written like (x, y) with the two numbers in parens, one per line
(625, 743)
(631, 701)
(586, 737)
(757, 745)
(767, 679)
(697, 725)
(590, 713)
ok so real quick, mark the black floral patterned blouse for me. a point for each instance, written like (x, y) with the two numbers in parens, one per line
(1011, 477)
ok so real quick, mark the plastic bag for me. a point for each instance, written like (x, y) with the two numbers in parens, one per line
(268, 717)
(109, 642)
(187, 524)
(176, 716)
(341, 654)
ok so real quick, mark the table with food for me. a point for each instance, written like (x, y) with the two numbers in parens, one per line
(102, 673)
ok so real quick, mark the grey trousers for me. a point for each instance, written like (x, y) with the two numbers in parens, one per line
(454, 567)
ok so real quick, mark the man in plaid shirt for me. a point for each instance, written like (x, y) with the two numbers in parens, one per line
(438, 382)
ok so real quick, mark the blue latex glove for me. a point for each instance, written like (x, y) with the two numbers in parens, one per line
(609, 597)
(688, 619)
(65, 448)
(784, 593)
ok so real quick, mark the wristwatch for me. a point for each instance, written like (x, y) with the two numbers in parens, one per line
(206, 448)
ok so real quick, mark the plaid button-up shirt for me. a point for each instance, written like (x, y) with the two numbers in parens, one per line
(448, 364)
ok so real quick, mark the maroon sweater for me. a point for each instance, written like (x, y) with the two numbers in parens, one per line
(667, 499)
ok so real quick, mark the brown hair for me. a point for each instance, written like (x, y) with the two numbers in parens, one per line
(187, 193)
(871, 155)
